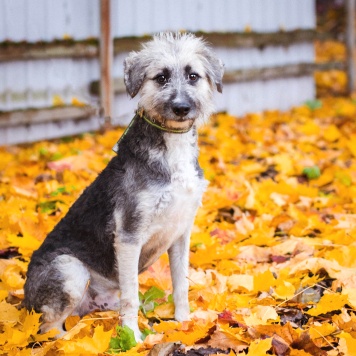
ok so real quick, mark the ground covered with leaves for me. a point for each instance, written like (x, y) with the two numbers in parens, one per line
(273, 250)
(330, 82)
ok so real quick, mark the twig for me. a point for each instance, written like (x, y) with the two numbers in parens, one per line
(324, 338)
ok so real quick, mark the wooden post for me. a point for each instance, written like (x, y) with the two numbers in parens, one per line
(350, 43)
(106, 59)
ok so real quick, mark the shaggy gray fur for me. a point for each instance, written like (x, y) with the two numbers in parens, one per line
(143, 203)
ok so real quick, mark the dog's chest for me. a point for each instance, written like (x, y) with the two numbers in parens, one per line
(174, 206)
(176, 203)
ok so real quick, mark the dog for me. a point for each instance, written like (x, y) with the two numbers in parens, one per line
(143, 203)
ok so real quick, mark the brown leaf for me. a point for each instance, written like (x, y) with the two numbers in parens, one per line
(305, 343)
(224, 341)
(280, 346)
(164, 349)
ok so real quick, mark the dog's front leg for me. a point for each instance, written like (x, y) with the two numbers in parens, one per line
(128, 258)
(179, 263)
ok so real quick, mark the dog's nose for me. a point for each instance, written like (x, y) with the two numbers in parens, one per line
(181, 109)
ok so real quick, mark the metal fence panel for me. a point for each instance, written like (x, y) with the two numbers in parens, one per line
(39, 83)
(46, 20)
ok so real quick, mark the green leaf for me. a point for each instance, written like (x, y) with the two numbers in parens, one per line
(147, 332)
(43, 151)
(148, 300)
(313, 104)
(48, 207)
(312, 172)
(56, 156)
(123, 341)
(140, 297)
(60, 190)
(152, 294)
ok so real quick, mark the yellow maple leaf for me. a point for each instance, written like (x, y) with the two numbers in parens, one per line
(12, 278)
(259, 347)
(19, 336)
(9, 313)
(320, 331)
(263, 282)
(157, 275)
(188, 337)
(347, 344)
(187, 332)
(310, 128)
(163, 311)
(26, 244)
(284, 163)
(3, 293)
(328, 303)
(31, 323)
(351, 295)
(261, 315)
(331, 133)
(240, 281)
(284, 289)
(351, 144)
(215, 252)
(167, 325)
(87, 345)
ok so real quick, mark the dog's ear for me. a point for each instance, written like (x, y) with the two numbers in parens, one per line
(214, 69)
(218, 73)
(134, 73)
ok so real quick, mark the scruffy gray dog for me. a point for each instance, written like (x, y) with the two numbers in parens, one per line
(143, 203)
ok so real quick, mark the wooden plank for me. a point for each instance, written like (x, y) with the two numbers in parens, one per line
(350, 44)
(53, 114)
(90, 48)
(255, 39)
(11, 51)
(248, 75)
(106, 59)
(286, 71)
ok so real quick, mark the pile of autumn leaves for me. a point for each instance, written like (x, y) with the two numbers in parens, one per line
(273, 250)
(334, 81)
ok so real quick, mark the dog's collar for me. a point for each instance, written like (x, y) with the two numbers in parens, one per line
(171, 126)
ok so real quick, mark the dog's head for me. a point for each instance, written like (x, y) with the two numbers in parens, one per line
(176, 75)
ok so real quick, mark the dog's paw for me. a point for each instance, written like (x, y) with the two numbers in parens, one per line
(182, 313)
(138, 336)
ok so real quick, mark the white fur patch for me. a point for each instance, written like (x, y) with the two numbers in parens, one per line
(75, 274)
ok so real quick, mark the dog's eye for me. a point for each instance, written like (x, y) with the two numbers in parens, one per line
(193, 77)
(161, 79)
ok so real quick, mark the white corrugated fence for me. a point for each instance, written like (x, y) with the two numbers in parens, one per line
(41, 81)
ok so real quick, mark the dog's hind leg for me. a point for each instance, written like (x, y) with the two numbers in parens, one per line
(56, 290)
